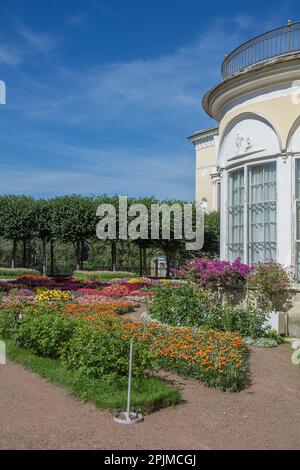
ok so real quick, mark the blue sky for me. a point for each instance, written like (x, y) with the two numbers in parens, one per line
(101, 94)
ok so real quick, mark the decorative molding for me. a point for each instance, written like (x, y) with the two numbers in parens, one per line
(204, 143)
(204, 139)
(284, 157)
(242, 144)
(277, 73)
(219, 171)
(243, 155)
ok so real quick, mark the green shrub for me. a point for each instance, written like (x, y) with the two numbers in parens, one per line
(261, 342)
(272, 284)
(103, 275)
(275, 336)
(98, 349)
(9, 318)
(15, 272)
(188, 305)
(43, 332)
(183, 305)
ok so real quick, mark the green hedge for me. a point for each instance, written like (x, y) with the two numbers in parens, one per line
(45, 333)
(188, 305)
(7, 273)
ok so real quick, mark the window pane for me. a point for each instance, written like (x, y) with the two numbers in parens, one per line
(236, 215)
(297, 195)
(297, 179)
(262, 213)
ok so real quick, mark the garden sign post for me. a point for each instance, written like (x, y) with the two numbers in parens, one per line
(128, 417)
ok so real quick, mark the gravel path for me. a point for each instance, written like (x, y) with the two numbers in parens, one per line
(38, 415)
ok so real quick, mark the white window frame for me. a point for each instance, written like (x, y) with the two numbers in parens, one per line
(295, 202)
(246, 166)
(228, 206)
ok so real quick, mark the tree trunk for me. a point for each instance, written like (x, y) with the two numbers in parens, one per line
(113, 255)
(168, 261)
(30, 254)
(141, 259)
(51, 257)
(24, 254)
(77, 254)
(144, 261)
(44, 257)
(81, 254)
(13, 254)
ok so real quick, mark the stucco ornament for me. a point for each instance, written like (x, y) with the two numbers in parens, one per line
(242, 144)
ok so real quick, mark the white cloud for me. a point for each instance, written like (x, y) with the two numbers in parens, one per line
(130, 118)
(41, 43)
(144, 92)
(9, 56)
(151, 176)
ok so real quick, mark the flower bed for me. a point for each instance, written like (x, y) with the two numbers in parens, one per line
(92, 312)
(215, 272)
(217, 359)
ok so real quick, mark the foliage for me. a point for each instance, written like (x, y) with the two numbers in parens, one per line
(218, 359)
(273, 285)
(94, 311)
(54, 295)
(261, 342)
(183, 305)
(94, 339)
(6, 273)
(43, 331)
(16, 217)
(8, 321)
(100, 348)
(102, 275)
(212, 233)
(216, 273)
(148, 393)
(192, 306)
(272, 334)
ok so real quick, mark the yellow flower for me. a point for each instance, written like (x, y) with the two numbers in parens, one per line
(56, 295)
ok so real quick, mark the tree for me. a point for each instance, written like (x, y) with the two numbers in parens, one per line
(43, 226)
(212, 233)
(17, 222)
(74, 220)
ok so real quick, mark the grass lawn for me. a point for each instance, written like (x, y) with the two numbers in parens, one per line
(148, 393)
(103, 275)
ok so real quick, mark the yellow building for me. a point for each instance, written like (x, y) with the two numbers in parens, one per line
(207, 177)
(254, 152)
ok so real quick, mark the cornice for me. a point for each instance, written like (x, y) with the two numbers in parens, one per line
(278, 70)
(205, 138)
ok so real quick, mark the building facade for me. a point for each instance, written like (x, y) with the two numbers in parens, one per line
(254, 152)
(249, 165)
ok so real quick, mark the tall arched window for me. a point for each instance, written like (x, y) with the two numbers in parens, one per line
(248, 151)
(294, 148)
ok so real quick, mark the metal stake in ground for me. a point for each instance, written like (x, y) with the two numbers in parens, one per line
(129, 417)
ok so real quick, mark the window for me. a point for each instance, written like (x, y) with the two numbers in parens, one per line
(236, 215)
(262, 213)
(218, 195)
(252, 203)
(297, 195)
